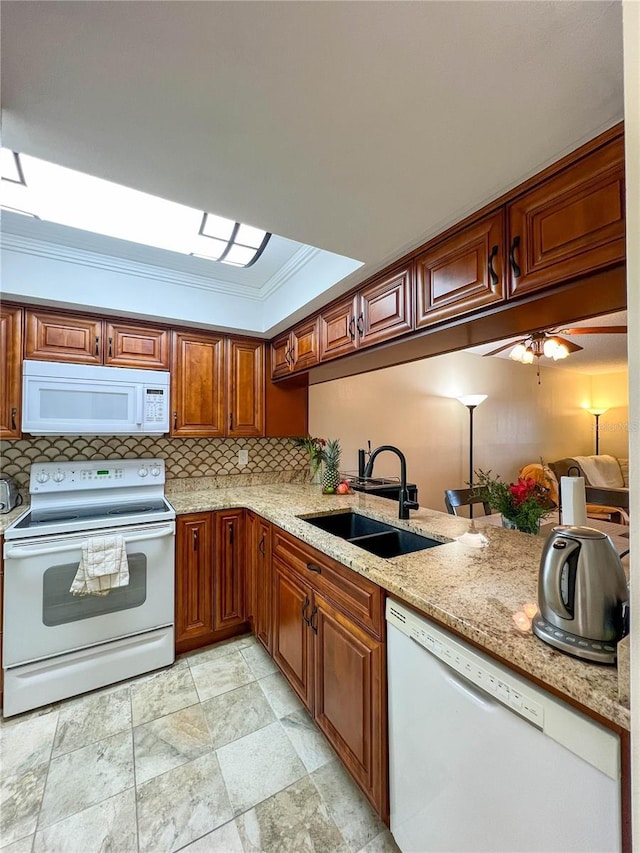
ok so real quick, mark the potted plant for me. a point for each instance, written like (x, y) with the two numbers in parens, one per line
(315, 450)
(522, 504)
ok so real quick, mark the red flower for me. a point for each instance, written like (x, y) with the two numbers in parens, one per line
(522, 490)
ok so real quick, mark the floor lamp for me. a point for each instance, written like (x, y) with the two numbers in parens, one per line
(597, 413)
(471, 401)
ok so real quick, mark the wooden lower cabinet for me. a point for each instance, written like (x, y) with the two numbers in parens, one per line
(292, 637)
(209, 592)
(258, 578)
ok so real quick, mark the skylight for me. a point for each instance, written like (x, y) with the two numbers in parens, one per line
(53, 193)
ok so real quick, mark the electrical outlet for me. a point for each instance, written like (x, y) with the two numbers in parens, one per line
(243, 457)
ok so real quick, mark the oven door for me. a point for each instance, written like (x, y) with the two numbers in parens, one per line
(42, 618)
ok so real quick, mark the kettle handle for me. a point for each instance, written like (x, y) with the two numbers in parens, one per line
(550, 578)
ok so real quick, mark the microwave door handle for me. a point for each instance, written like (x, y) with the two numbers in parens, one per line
(139, 406)
(41, 550)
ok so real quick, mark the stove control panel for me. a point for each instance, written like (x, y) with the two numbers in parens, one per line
(95, 474)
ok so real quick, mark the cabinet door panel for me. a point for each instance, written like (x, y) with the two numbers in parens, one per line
(63, 337)
(461, 274)
(197, 385)
(137, 346)
(386, 308)
(338, 330)
(281, 356)
(245, 387)
(305, 345)
(194, 580)
(349, 697)
(228, 581)
(10, 371)
(571, 225)
(292, 648)
(263, 583)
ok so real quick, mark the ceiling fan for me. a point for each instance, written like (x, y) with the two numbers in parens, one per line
(550, 345)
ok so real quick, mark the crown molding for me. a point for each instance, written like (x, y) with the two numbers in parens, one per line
(293, 266)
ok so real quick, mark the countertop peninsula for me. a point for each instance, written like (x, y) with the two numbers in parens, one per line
(473, 591)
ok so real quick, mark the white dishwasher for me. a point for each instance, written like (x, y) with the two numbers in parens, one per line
(482, 760)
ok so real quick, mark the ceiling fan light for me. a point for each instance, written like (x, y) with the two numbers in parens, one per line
(527, 356)
(562, 351)
(550, 348)
(517, 352)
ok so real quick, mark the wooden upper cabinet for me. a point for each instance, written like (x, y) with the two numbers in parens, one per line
(305, 345)
(463, 273)
(571, 224)
(245, 387)
(63, 337)
(228, 584)
(338, 331)
(197, 385)
(129, 345)
(281, 356)
(386, 309)
(10, 371)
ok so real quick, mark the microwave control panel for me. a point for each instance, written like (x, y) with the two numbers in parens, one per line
(155, 405)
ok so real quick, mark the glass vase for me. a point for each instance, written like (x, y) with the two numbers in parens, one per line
(315, 473)
(512, 525)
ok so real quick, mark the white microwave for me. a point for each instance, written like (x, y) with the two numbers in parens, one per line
(87, 399)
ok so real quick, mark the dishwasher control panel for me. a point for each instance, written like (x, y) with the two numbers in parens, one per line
(481, 676)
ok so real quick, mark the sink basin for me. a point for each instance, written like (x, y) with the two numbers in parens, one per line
(377, 537)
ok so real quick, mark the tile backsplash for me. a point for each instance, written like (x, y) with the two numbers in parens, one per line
(184, 457)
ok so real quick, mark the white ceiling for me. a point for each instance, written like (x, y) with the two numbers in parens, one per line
(360, 128)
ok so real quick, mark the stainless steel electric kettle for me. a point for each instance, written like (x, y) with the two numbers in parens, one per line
(582, 594)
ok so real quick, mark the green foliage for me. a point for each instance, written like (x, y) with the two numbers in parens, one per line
(524, 503)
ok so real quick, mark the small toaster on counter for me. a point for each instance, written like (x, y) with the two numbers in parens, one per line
(9, 494)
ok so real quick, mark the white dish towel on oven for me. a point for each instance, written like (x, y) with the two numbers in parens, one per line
(103, 566)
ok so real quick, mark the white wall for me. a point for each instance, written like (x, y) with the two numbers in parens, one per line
(411, 406)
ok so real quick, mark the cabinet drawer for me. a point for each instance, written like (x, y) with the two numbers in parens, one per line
(361, 599)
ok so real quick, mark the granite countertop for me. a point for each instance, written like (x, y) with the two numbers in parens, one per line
(475, 591)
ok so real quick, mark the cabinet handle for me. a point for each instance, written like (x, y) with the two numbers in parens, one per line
(231, 534)
(304, 610)
(314, 568)
(352, 328)
(492, 272)
(291, 359)
(97, 345)
(110, 347)
(512, 257)
(14, 412)
(261, 545)
(230, 420)
(360, 324)
(287, 356)
(314, 612)
(196, 538)
(175, 420)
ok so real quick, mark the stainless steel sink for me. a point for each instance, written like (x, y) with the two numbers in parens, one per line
(374, 536)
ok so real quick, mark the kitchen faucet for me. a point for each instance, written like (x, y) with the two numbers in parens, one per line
(404, 502)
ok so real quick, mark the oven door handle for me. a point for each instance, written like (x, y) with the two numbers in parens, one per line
(36, 549)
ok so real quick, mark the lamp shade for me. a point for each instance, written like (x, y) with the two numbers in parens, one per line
(597, 411)
(472, 399)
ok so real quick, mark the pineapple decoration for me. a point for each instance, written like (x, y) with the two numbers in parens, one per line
(331, 477)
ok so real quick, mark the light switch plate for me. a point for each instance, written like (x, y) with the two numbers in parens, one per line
(243, 457)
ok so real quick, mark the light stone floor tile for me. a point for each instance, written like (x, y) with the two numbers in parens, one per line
(181, 805)
(280, 696)
(295, 819)
(20, 801)
(383, 843)
(307, 739)
(221, 675)
(86, 776)
(27, 743)
(24, 845)
(355, 818)
(107, 826)
(237, 713)
(91, 718)
(225, 839)
(166, 691)
(260, 662)
(170, 741)
(219, 650)
(258, 765)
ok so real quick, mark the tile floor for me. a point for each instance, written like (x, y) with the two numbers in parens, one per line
(212, 755)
